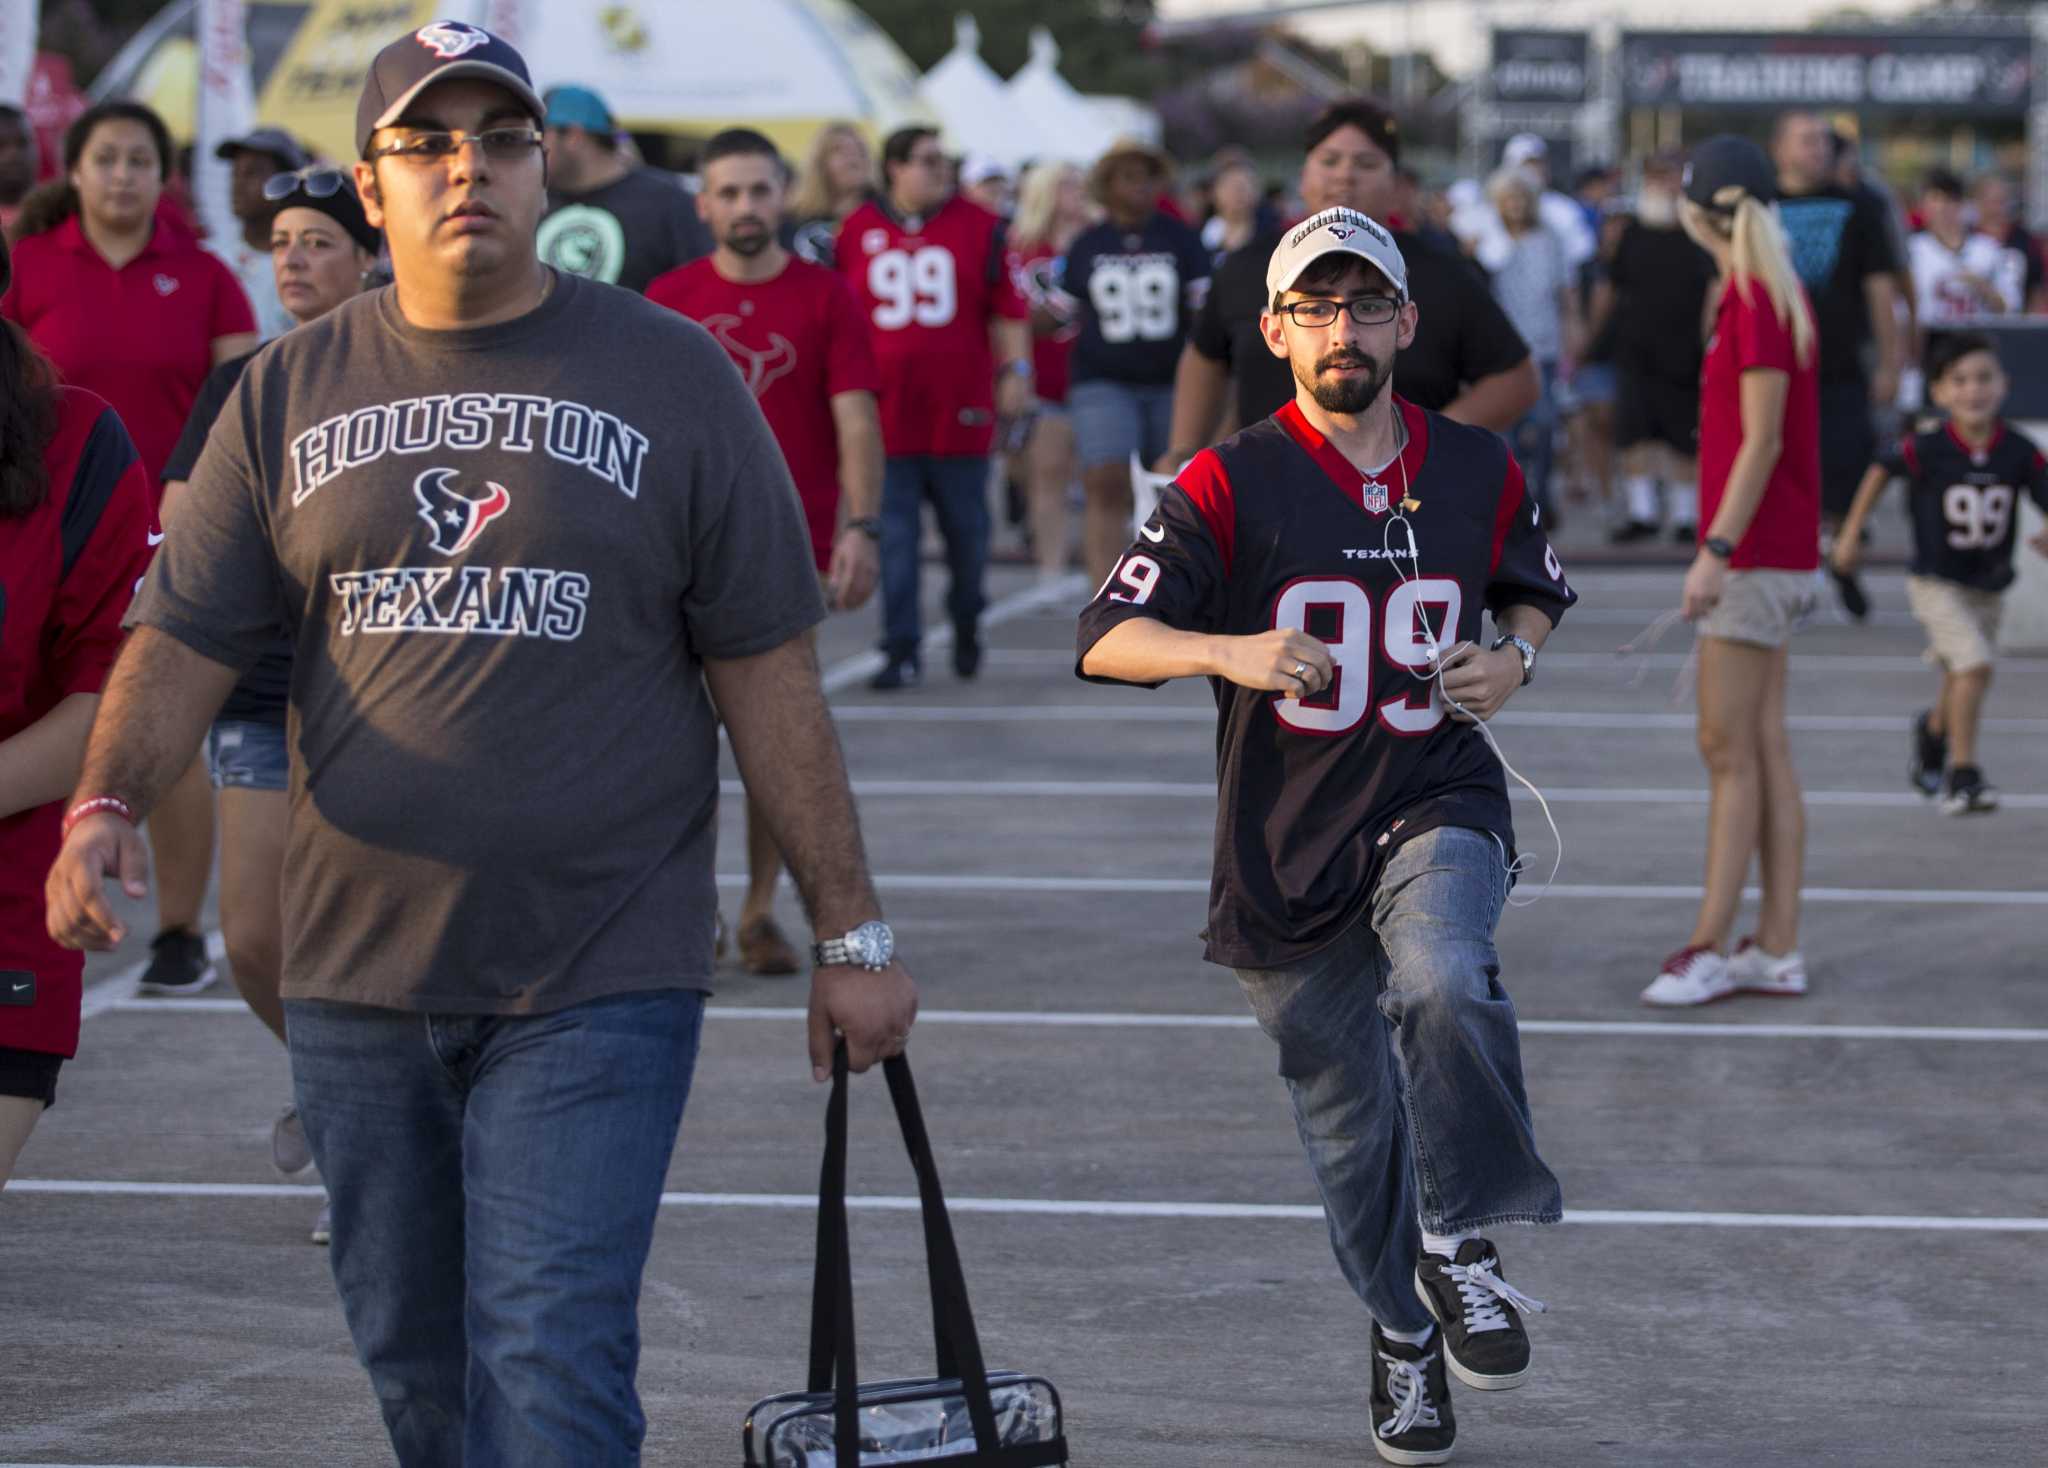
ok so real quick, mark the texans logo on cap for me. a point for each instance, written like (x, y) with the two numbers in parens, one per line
(456, 520)
(449, 39)
(1341, 232)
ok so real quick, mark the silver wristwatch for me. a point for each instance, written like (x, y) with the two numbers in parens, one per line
(1523, 646)
(869, 946)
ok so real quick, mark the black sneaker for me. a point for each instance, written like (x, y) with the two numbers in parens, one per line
(896, 673)
(1930, 753)
(1850, 590)
(1684, 534)
(1630, 531)
(1968, 795)
(178, 964)
(1480, 1314)
(966, 649)
(1411, 1401)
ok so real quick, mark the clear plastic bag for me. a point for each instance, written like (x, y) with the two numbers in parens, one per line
(904, 1422)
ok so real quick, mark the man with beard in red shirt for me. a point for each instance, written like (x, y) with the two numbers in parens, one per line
(796, 334)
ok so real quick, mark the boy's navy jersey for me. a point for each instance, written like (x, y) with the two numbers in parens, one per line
(1275, 528)
(1962, 501)
(1138, 294)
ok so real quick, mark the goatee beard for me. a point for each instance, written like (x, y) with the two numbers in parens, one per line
(748, 244)
(1348, 396)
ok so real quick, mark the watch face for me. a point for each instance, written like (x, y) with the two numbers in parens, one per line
(873, 945)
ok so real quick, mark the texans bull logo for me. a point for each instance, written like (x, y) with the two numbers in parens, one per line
(449, 39)
(456, 520)
(761, 366)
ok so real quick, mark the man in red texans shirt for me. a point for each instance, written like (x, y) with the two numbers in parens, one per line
(796, 335)
(952, 337)
(1327, 569)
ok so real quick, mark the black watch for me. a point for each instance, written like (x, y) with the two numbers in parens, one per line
(867, 525)
(1714, 545)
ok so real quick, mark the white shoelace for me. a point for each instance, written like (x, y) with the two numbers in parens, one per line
(1483, 1292)
(1410, 1391)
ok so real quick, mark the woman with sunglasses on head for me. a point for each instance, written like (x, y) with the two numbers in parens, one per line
(322, 247)
(126, 306)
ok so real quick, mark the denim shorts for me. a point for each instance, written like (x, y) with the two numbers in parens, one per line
(247, 754)
(1113, 420)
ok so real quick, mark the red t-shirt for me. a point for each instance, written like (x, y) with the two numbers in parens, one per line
(798, 340)
(1038, 276)
(929, 289)
(141, 336)
(1785, 534)
(69, 568)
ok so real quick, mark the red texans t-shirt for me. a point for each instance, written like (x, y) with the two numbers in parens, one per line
(141, 336)
(798, 340)
(1785, 535)
(929, 287)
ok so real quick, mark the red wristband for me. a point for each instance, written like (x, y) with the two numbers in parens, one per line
(93, 807)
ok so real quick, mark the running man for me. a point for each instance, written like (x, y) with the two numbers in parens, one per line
(1363, 842)
(796, 334)
(516, 577)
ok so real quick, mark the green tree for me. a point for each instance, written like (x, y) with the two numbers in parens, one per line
(1102, 42)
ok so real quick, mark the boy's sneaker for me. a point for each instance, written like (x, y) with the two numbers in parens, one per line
(1968, 795)
(289, 1153)
(1480, 1316)
(178, 964)
(1930, 753)
(1693, 975)
(1411, 1401)
(1757, 972)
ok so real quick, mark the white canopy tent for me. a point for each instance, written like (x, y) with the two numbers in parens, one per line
(1043, 101)
(975, 111)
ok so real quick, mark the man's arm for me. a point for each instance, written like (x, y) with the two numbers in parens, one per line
(1501, 401)
(158, 701)
(1200, 385)
(856, 560)
(1144, 650)
(788, 754)
(1012, 342)
(1880, 295)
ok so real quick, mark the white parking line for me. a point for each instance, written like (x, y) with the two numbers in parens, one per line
(1101, 1208)
(1618, 721)
(848, 671)
(1613, 662)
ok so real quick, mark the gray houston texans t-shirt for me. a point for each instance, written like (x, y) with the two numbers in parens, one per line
(501, 555)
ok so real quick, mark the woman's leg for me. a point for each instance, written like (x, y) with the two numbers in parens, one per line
(1733, 676)
(181, 848)
(1783, 820)
(1049, 471)
(18, 1117)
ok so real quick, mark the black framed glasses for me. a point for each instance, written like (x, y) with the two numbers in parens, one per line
(1365, 310)
(318, 182)
(500, 144)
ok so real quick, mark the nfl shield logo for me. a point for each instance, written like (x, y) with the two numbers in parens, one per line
(1375, 497)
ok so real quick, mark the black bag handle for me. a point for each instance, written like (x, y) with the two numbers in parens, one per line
(956, 1343)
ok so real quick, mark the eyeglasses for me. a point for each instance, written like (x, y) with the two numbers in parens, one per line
(502, 144)
(317, 182)
(1365, 310)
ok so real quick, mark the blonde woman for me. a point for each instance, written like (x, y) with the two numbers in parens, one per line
(1753, 580)
(1052, 207)
(837, 176)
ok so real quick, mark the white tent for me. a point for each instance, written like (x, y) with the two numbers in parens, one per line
(975, 112)
(1044, 102)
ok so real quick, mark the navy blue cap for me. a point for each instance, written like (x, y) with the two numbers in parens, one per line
(274, 141)
(1724, 168)
(440, 52)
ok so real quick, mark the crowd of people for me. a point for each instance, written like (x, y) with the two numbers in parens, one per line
(451, 321)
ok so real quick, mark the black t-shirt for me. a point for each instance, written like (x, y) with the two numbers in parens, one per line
(625, 233)
(262, 692)
(1962, 502)
(1839, 240)
(1273, 527)
(1462, 336)
(1660, 279)
(1136, 292)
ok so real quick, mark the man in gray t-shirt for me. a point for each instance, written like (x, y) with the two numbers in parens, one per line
(522, 530)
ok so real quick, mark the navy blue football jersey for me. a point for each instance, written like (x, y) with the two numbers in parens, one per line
(1276, 528)
(1138, 294)
(1962, 501)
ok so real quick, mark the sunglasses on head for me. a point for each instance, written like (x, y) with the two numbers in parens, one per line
(317, 182)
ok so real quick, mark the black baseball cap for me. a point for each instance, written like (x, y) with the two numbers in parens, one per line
(275, 141)
(439, 52)
(1724, 168)
(329, 191)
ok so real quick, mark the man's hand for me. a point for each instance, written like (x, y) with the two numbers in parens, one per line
(1884, 388)
(1704, 583)
(1283, 660)
(873, 1010)
(856, 563)
(99, 847)
(1013, 395)
(1479, 680)
(1847, 554)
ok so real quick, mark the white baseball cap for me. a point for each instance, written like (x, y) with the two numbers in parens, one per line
(1523, 148)
(1335, 231)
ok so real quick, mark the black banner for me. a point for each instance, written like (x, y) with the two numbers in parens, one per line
(1976, 72)
(1540, 66)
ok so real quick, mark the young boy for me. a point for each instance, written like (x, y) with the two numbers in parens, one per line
(1962, 481)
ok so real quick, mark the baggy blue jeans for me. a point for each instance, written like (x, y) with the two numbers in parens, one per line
(958, 490)
(494, 1183)
(1401, 1052)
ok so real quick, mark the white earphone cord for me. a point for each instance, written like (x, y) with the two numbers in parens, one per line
(1515, 868)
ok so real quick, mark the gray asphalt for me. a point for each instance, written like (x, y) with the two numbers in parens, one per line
(203, 1330)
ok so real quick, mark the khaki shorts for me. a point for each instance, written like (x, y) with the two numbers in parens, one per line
(1961, 622)
(1762, 608)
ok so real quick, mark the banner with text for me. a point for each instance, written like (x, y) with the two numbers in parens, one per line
(1540, 67)
(1989, 72)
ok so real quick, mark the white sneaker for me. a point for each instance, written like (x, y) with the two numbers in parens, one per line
(323, 1225)
(1757, 972)
(289, 1153)
(1690, 976)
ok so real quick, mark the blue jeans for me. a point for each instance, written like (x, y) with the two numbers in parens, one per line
(494, 1183)
(958, 491)
(1534, 440)
(1402, 1055)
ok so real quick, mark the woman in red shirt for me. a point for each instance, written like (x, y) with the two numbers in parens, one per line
(1753, 581)
(133, 309)
(1052, 207)
(76, 528)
